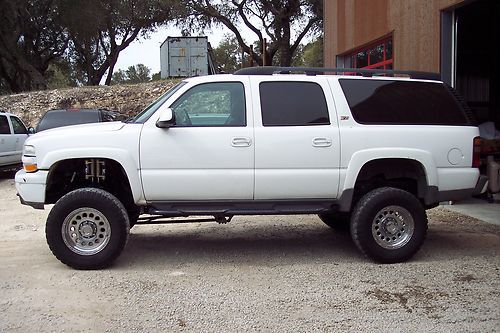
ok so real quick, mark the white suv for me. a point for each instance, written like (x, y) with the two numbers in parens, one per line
(365, 153)
(13, 133)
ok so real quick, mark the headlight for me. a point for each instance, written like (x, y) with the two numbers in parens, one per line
(29, 151)
(29, 159)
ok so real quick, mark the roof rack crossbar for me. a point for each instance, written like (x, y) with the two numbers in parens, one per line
(270, 70)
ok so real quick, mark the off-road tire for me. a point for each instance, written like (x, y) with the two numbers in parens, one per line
(69, 209)
(390, 212)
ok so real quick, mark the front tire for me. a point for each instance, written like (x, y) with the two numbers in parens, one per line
(389, 225)
(87, 228)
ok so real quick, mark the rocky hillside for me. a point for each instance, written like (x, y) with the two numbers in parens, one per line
(128, 99)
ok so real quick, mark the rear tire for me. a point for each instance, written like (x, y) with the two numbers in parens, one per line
(87, 228)
(389, 225)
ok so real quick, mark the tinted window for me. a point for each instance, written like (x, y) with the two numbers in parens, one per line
(4, 125)
(402, 102)
(18, 126)
(211, 104)
(53, 119)
(293, 104)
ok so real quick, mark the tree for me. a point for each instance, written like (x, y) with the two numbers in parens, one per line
(313, 53)
(139, 73)
(310, 55)
(156, 77)
(227, 56)
(56, 77)
(119, 77)
(101, 29)
(285, 22)
(31, 37)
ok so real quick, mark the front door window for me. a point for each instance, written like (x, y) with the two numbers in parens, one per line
(211, 104)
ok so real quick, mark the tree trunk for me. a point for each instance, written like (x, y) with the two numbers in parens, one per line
(285, 56)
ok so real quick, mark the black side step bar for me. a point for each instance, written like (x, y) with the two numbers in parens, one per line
(240, 207)
(160, 219)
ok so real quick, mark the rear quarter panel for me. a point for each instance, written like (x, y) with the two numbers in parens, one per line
(444, 151)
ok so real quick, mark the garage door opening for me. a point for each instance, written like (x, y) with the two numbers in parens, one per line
(470, 57)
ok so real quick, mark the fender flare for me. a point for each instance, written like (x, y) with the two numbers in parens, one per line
(120, 156)
(360, 158)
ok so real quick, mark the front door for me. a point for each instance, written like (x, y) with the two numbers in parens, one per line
(208, 154)
(7, 142)
(20, 134)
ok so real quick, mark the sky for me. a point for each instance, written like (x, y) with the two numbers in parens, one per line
(147, 51)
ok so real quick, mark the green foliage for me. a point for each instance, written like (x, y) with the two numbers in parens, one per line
(310, 55)
(31, 37)
(56, 78)
(139, 73)
(227, 56)
(101, 29)
(86, 35)
(285, 22)
(119, 77)
(156, 77)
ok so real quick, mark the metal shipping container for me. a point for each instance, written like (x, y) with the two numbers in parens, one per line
(185, 57)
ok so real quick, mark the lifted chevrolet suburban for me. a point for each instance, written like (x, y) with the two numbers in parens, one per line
(367, 153)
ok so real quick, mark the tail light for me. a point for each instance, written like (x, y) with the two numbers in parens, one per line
(476, 152)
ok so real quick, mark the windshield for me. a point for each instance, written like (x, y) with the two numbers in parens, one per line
(147, 112)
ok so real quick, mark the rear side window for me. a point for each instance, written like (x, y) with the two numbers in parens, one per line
(293, 104)
(402, 103)
(4, 125)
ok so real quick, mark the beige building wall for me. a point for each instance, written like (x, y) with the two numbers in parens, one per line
(414, 25)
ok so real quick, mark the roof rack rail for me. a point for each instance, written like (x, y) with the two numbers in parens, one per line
(270, 70)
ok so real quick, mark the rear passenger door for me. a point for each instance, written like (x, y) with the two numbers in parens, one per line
(297, 146)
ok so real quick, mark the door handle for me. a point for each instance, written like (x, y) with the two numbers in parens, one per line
(322, 142)
(241, 142)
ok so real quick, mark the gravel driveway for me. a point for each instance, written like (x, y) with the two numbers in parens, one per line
(288, 274)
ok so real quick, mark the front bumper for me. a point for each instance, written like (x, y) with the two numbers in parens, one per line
(31, 187)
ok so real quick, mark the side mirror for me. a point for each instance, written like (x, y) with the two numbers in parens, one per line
(166, 118)
(31, 130)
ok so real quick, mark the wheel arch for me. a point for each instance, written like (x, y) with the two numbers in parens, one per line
(361, 158)
(123, 172)
(392, 164)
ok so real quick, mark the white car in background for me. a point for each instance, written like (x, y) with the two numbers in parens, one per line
(13, 133)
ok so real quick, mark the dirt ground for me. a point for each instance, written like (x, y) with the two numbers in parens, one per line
(263, 273)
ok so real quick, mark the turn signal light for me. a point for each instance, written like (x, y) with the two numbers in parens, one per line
(30, 167)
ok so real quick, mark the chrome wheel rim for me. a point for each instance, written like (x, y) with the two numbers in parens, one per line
(393, 227)
(86, 231)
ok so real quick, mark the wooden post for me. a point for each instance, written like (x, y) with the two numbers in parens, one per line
(264, 52)
(251, 56)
